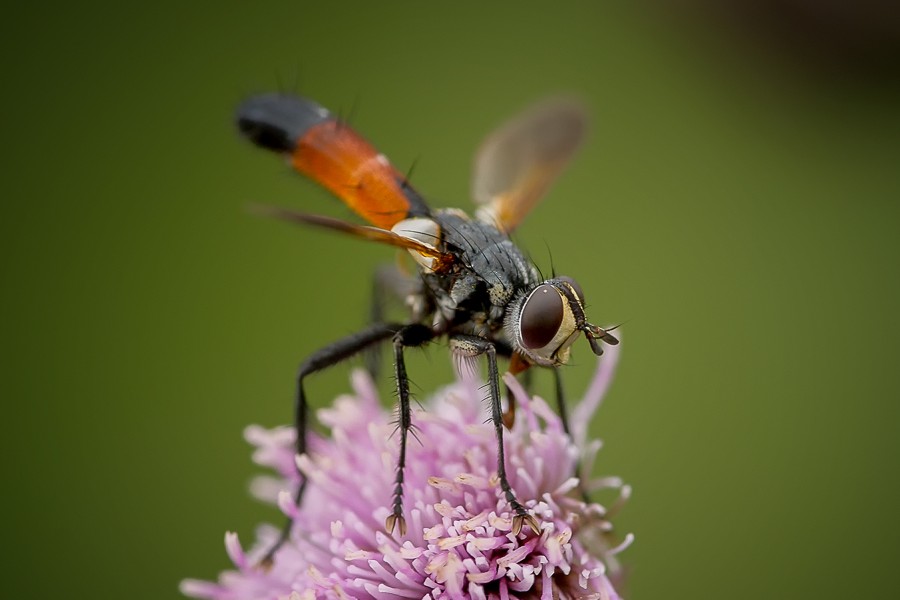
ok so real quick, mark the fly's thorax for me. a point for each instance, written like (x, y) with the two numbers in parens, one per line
(488, 254)
(544, 321)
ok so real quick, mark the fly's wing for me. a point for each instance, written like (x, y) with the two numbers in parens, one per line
(327, 151)
(517, 163)
(436, 260)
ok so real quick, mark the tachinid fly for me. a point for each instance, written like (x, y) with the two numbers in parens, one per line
(471, 284)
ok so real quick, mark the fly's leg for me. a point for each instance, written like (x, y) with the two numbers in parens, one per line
(564, 417)
(509, 415)
(528, 380)
(468, 345)
(409, 336)
(322, 359)
(561, 401)
(516, 366)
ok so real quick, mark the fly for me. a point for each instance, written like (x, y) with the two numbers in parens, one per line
(471, 284)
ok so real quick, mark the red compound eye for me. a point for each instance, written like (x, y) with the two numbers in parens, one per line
(541, 316)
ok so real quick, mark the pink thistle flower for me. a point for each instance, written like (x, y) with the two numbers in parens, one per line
(459, 542)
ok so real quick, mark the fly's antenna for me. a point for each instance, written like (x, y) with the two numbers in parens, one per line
(594, 333)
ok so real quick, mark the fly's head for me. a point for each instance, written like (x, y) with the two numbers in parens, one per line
(545, 321)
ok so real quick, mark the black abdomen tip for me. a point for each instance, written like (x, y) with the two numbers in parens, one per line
(277, 121)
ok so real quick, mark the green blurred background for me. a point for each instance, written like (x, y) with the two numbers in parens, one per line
(737, 205)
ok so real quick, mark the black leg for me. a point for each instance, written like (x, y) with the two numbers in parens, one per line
(509, 417)
(564, 416)
(516, 366)
(561, 401)
(319, 360)
(476, 346)
(409, 336)
(528, 381)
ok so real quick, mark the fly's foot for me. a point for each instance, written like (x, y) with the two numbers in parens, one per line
(395, 520)
(522, 517)
(520, 520)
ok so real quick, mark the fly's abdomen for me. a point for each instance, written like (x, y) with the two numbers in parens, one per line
(332, 154)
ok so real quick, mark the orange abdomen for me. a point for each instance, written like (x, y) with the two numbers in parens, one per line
(342, 161)
(332, 154)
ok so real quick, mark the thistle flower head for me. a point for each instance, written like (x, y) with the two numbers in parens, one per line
(459, 541)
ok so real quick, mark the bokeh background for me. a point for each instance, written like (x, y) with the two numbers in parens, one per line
(736, 204)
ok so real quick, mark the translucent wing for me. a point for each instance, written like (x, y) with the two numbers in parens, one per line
(517, 163)
(441, 261)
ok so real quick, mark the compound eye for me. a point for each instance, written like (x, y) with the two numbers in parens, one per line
(542, 314)
(578, 291)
